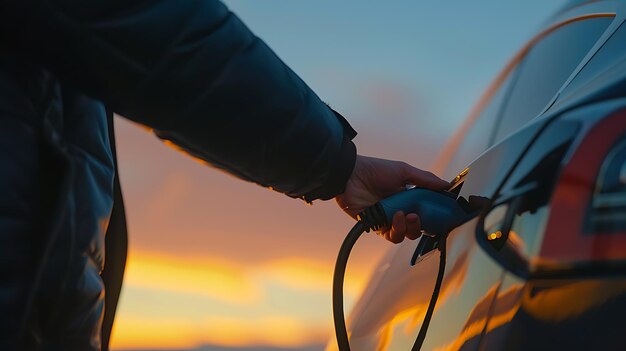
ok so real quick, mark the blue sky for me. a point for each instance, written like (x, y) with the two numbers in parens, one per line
(441, 54)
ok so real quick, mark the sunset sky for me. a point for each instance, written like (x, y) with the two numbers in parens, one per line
(218, 262)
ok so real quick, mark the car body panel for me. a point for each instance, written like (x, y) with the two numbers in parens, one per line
(389, 315)
(563, 310)
(480, 303)
(558, 315)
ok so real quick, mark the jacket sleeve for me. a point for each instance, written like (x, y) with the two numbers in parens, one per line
(194, 73)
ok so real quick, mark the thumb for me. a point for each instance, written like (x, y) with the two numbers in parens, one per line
(424, 179)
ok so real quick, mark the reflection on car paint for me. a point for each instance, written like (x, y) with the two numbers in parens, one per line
(554, 313)
(480, 306)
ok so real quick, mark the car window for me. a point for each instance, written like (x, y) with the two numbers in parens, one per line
(611, 53)
(544, 70)
(478, 137)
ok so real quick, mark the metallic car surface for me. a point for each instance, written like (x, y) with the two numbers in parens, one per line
(485, 304)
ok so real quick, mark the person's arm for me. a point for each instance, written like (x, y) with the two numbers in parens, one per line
(193, 72)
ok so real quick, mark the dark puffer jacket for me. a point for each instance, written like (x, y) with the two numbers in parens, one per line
(192, 72)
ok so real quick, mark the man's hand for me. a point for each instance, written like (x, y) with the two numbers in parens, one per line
(374, 179)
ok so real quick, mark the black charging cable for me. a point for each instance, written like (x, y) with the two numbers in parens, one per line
(441, 245)
(366, 218)
(339, 319)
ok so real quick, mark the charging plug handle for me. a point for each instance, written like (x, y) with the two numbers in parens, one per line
(439, 211)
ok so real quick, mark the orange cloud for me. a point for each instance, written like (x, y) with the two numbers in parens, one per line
(311, 275)
(219, 279)
(182, 302)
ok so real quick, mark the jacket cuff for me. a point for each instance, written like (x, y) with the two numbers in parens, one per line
(341, 170)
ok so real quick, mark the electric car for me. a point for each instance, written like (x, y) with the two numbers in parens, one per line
(543, 264)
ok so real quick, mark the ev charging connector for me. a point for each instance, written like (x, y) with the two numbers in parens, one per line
(439, 212)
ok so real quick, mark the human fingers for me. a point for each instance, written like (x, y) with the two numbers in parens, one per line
(384, 232)
(413, 226)
(423, 179)
(398, 228)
